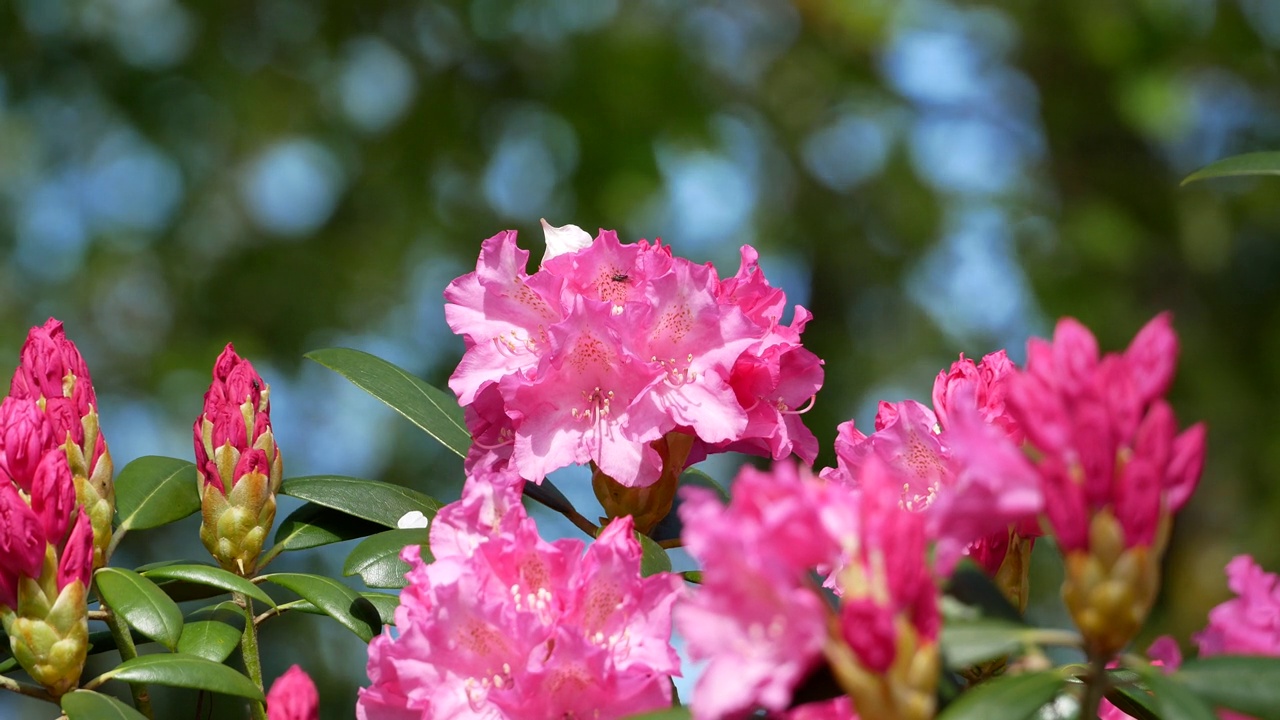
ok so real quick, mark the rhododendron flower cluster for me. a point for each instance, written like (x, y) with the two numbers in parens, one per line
(54, 376)
(609, 347)
(960, 465)
(47, 544)
(293, 696)
(1112, 466)
(239, 464)
(763, 623)
(506, 625)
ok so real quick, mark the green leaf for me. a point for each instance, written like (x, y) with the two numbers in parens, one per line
(433, 410)
(1257, 163)
(142, 604)
(89, 705)
(696, 478)
(1173, 700)
(675, 713)
(185, 671)
(1249, 685)
(210, 576)
(378, 502)
(1010, 697)
(968, 642)
(653, 558)
(384, 603)
(314, 525)
(377, 559)
(338, 601)
(1134, 702)
(153, 491)
(209, 639)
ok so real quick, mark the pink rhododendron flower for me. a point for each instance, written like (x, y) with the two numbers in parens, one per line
(608, 347)
(506, 625)
(293, 696)
(981, 384)
(756, 616)
(1248, 624)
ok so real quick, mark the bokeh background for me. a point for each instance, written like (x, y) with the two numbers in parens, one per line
(927, 177)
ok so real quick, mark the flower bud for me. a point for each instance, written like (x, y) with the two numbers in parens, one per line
(293, 696)
(53, 495)
(48, 624)
(238, 462)
(54, 376)
(650, 504)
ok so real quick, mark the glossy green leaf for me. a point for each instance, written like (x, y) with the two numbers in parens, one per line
(973, 587)
(693, 576)
(694, 477)
(209, 639)
(1249, 685)
(143, 605)
(1257, 163)
(185, 671)
(433, 410)
(314, 525)
(378, 502)
(653, 558)
(968, 642)
(1010, 697)
(384, 603)
(376, 559)
(89, 705)
(338, 601)
(153, 491)
(1173, 700)
(211, 576)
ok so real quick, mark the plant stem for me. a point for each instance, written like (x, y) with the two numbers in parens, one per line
(1095, 686)
(25, 689)
(124, 643)
(249, 650)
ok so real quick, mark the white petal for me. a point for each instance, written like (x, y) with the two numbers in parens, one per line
(412, 519)
(564, 239)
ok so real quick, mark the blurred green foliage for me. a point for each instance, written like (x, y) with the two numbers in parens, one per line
(927, 177)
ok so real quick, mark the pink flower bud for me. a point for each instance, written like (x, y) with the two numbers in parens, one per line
(22, 539)
(1185, 465)
(50, 365)
(252, 461)
(64, 420)
(293, 696)
(76, 562)
(1075, 354)
(1153, 354)
(868, 628)
(8, 588)
(53, 494)
(26, 434)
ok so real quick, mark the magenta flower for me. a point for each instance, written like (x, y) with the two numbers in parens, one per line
(757, 617)
(1248, 624)
(293, 696)
(982, 384)
(506, 625)
(607, 348)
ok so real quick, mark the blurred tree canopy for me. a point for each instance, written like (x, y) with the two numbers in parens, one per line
(928, 177)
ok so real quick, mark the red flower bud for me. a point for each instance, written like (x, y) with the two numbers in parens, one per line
(293, 696)
(25, 435)
(22, 539)
(53, 495)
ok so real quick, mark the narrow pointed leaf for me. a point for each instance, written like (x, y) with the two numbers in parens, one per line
(1257, 163)
(209, 639)
(314, 525)
(433, 410)
(968, 642)
(377, 502)
(153, 491)
(1010, 697)
(89, 705)
(376, 559)
(1173, 700)
(211, 576)
(1249, 685)
(143, 605)
(336, 600)
(384, 603)
(185, 671)
(1134, 702)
